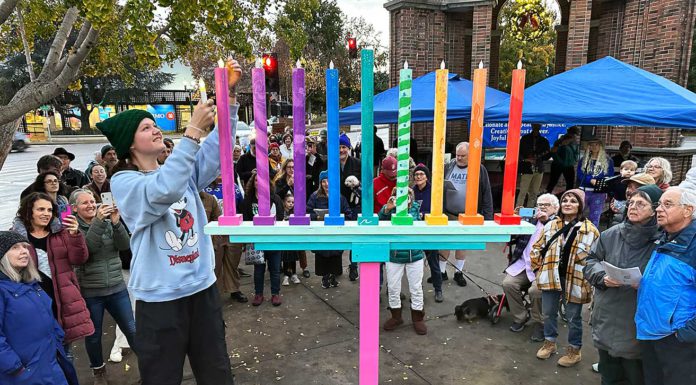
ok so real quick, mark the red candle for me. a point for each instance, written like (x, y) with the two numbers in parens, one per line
(507, 215)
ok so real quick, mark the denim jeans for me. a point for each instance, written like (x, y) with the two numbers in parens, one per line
(549, 306)
(273, 263)
(435, 273)
(119, 306)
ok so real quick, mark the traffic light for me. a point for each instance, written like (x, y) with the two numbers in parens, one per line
(352, 48)
(270, 66)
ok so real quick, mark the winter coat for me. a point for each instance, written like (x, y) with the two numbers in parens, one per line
(383, 191)
(352, 167)
(321, 202)
(403, 256)
(74, 178)
(625, 245)
(244, 166)
(485, 197)
(247, 208)
(96, 191)
(667, 293)
(30, 337)
(104, 241)
(578, 290)
(65, 251)
(282, 188)
(584, 176)
(423, 196)
(313, 172)
(536, 147)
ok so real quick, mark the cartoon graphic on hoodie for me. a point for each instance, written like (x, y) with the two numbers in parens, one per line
(185, 222)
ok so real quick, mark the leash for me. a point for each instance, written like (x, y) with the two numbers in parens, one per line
(488, 295)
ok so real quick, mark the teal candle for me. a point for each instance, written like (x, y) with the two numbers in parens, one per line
(404, 142)
(367, 84)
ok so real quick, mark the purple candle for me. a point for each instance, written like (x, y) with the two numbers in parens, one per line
(258, 80)
(230, 216)
(300, 218)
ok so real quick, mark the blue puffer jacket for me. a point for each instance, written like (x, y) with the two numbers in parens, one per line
(29, 335)
(667, 293)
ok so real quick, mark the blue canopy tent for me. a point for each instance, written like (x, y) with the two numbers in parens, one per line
(386, 104)
(605, 92)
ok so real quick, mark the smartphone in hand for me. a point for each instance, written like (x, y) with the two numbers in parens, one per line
(64, 214)
(527, 212)
(107, 198)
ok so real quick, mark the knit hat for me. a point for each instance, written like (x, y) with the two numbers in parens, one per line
(642, 179)
(389, 167)
(653, 192)
(106, 149)
(424, 168)
(323, 175)
(120, 129)
(273, 145)
(344, 140)
(9, 239)
(580, 195)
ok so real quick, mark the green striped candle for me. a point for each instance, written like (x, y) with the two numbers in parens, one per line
(404, 133)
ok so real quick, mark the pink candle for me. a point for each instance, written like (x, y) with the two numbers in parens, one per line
(258, 80)
(298, 123)
(230, 216)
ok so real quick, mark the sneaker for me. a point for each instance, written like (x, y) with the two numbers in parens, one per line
(258, 300)
(546, 350)
(571, 358)
(239, 297)
(459, 279)
(305, 273)
(438, 297)
(517, 327)
(538, 332)
(353, 274)
(445, 277)
(286, 281)
(595, 367)
(275, 300)
(332, 281)
(295, 279)
(115, 355)
(325, 282)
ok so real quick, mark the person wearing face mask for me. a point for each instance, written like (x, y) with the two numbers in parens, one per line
(557, 258)
(178, 309)
(31, 350)
(628, 244)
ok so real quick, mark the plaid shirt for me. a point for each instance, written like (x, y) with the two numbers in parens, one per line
(578, 290)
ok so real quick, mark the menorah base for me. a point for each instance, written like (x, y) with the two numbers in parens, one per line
(302, 220)
(436, 220)
(471, 220)
(507, 219)
(334, 220)
(230, 220)
(372, 220)
(402, 220)
(264, 220)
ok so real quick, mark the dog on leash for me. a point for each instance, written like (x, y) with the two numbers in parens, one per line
(481, 307)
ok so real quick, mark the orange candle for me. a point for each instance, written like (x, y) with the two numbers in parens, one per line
(507, 211)
(478, 101)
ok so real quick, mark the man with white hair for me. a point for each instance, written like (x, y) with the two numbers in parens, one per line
(666, 314)
(519, 275)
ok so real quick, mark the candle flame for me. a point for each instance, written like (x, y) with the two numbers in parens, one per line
(519, 64)
(442, 65)
(331, 65)
(258, 62)
(299, 65)
(201, 84)
(405, 64)
(481, 64)
(221, 63)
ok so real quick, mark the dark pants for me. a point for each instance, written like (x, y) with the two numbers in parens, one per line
(119, 306)
(556, 171)
(273, 263)
(619, 371)
(668, 362)
(433, 257)
(169, 331)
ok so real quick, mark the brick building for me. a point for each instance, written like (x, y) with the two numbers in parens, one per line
(655, 35)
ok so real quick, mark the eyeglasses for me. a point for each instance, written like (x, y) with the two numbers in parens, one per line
(51, 181)
(640, 205)
(419, 173)
(543, 205)
(653, 166)
(668, 205)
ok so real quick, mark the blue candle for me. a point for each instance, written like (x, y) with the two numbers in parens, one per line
(334, 216)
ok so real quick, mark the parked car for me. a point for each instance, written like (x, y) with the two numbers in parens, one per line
(20, 142)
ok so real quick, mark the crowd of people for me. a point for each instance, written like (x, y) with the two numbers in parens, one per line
(126, 236)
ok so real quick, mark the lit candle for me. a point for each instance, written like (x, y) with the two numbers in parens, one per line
(507, 213)
(334, 218)
(478, 99)
(202, 90)
(298, 123)
(258, 80)
(367, 147)
(404, 142)
(230, 216)
(436, 217)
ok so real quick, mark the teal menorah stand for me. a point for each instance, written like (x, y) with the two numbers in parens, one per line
(370, 246)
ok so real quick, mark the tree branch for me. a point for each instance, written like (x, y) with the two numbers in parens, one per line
(59, 41)
(6, 9)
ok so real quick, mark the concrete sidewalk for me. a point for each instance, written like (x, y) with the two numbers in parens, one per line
(313, 339)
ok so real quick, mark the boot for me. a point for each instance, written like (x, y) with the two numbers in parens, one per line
(100, 375)
(546, 350)
(417, 317)
(571, 357)
(394, 321)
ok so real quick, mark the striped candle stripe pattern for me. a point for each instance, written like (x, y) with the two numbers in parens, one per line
(404, 143)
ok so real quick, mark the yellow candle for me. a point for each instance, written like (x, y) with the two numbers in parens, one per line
(478, 101)
(436, 217)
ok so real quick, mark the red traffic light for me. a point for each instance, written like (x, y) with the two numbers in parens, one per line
(352, 43)
(270, 63)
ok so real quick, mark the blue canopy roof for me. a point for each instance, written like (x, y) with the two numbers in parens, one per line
(386, 104)
(605, 92)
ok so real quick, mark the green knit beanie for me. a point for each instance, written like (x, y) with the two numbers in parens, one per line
(120, 129)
